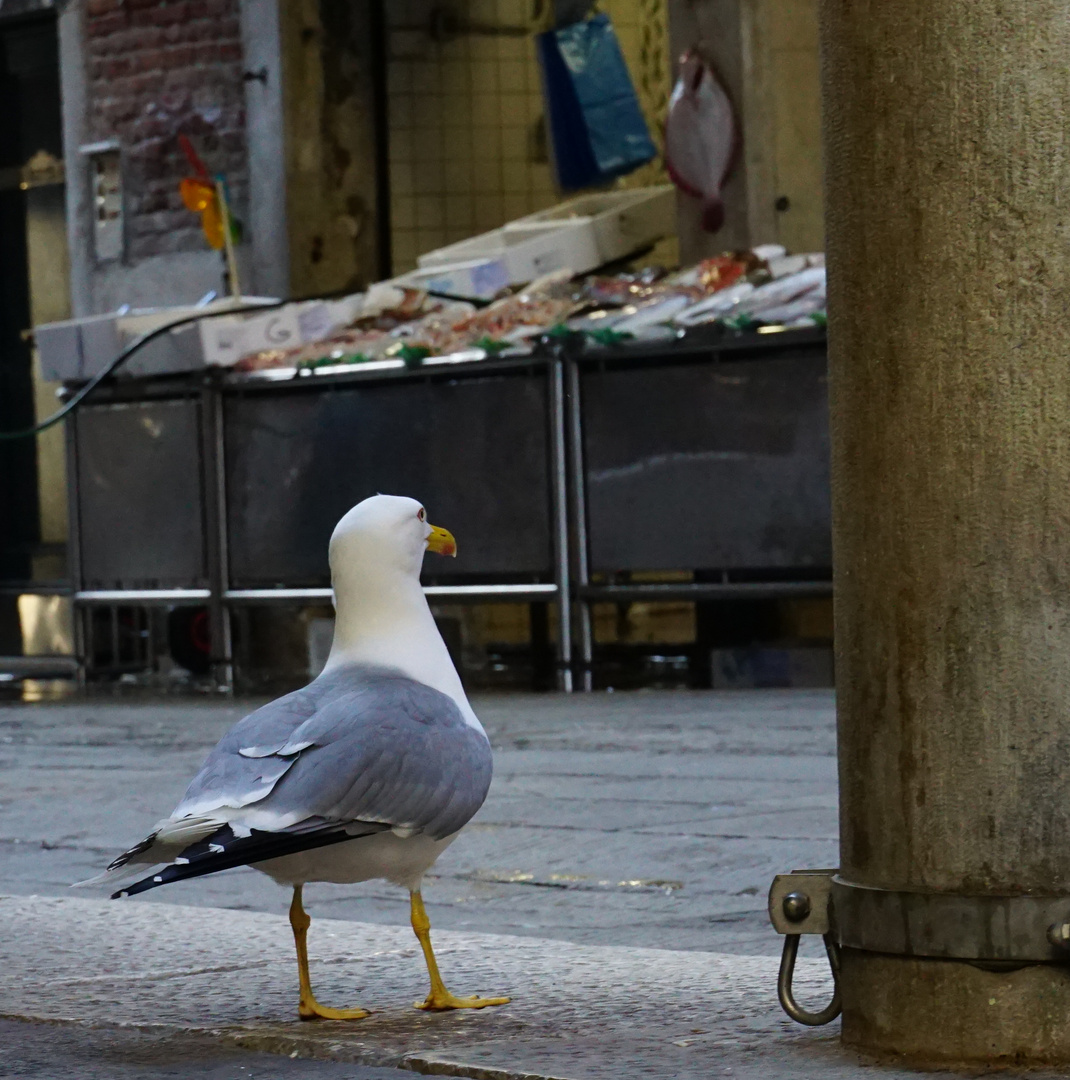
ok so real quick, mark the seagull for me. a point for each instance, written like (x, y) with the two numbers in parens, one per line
(370, 771)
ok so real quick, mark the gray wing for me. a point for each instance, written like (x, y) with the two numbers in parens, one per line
(242, 768)
(358, 744)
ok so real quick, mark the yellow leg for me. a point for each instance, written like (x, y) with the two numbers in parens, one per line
(440, 997)
(309, 1008)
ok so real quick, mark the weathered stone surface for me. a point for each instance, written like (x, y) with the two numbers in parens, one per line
(949, 274)
(998, 1017)
(578, 1012)
(198, 977)
(718, 791)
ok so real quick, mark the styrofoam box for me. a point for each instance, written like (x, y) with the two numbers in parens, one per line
(78, 349)
(622, 221)
(580, 234)
(59, 346)
(527, 253)
(225, 340)
(479, 279)
(770, 667)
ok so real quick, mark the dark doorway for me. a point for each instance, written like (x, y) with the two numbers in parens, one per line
(30, 122)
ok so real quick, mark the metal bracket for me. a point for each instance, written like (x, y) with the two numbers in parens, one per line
(990, 932)
(799, 904)
(987, 930)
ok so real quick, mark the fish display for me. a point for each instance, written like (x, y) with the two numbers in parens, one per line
(737, 290)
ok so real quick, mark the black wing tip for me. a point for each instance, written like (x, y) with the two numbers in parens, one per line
(232, 852)
(151, 881)
(138, 849)
(138, 887)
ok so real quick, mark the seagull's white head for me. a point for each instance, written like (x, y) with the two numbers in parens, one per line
(382, 615)
(385, 533)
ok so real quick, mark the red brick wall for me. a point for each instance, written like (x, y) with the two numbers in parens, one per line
(155, 69)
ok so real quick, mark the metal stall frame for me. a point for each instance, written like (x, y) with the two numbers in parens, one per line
(585, 592)
(82, 598)
(220, 598)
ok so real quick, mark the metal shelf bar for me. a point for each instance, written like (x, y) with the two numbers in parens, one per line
(437, 592)
(732, 590)
(142, 596)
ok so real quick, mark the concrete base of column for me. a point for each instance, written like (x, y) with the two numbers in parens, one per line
(935, 1011)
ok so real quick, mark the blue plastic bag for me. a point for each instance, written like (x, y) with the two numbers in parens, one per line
(597, 130)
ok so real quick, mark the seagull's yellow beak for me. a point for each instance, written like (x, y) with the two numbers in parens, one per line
(441, 542)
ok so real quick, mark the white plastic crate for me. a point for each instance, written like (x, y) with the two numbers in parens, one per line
(525, 254)
(580, 235)
(622, 221)
(478, 279)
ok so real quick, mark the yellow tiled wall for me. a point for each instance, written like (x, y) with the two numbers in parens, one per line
(467, 153)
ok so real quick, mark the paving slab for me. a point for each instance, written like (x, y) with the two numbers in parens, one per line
(43, 1050)
(596, 799)
(579, 1012)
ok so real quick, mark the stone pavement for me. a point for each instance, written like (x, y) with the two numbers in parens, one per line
(617, 875)
(57, 1051)
(578, 1012)
(647, 819)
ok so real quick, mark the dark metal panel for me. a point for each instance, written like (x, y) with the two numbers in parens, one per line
(139, 487)
(710, 465)
(473, 450)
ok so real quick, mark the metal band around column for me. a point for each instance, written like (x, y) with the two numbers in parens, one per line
(951, 926)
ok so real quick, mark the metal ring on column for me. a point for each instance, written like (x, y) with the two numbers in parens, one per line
(979, 929)
(787, 973)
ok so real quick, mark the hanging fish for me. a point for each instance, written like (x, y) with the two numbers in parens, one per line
(701, 137)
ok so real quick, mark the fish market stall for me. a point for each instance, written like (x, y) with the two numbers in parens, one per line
(580, 436)
(700, 472)
(222, 491)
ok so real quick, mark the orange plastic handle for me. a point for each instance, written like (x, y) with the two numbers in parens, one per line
(200, 196)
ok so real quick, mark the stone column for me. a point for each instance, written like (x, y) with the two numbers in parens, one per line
(948, 223)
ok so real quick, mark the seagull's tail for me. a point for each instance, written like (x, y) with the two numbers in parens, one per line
(224, 850)
(162, 845)
(168, 840)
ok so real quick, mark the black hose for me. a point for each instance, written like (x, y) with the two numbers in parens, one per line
(142, 341)
(122, 358)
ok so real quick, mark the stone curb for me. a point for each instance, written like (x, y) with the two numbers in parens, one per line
(578, 1012)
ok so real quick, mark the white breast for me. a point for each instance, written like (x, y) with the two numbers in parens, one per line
(401, 860)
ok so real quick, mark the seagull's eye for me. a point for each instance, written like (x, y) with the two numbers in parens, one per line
(421, 514)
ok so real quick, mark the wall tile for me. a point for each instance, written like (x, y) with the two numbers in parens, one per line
(512, 108)
(401, 145)
(517, 206)
(430, 212)
(400, 113)
(402, 213)
(490, 213)
(429, 239)
(487, 178)
(460, 213)
(516, 177)
(458, 177)
(516, 143)
(401, 184)
(458, 145)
